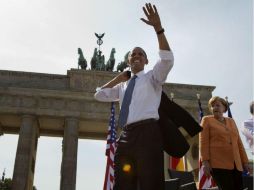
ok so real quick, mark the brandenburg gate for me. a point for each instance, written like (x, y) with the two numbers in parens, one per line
(38, 104)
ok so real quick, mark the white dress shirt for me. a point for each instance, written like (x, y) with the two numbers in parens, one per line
(146, 95)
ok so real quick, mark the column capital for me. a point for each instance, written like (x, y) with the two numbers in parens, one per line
(74, 119)
(31, 119)
(71, 121)
(28, 116)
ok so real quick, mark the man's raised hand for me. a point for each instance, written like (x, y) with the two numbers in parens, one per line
(153, 17)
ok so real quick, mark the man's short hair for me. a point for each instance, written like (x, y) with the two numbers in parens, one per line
(139, 48)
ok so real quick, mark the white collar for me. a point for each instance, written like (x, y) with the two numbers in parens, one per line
(139, 74)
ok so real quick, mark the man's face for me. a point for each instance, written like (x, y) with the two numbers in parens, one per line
(137, 60)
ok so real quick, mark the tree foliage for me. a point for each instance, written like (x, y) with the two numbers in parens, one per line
(6, 184)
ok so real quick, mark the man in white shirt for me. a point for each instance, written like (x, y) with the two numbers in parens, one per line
(139, 154)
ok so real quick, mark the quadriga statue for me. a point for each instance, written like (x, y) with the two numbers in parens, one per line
(123, 64)
(97, 61)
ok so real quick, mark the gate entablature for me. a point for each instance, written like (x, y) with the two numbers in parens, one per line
(52, 98)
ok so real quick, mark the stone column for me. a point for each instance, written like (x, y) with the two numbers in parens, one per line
(69, 159)
(23, 173)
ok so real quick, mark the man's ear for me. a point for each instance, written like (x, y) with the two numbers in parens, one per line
(146, 61)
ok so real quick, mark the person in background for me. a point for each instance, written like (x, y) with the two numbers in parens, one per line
(139, 154)
(221, 148)
(248, 127)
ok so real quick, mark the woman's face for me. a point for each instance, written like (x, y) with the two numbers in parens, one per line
(217, 108)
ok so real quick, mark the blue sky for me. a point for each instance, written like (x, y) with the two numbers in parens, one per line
(212, 41)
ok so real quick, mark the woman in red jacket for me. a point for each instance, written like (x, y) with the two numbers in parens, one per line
(222, 151)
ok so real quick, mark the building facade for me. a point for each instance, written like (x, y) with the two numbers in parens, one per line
(38, 104)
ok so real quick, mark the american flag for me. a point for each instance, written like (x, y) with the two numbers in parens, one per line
(204, 181)
(110, 151)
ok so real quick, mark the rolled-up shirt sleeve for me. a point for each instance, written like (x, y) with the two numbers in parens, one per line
(107, 94)
(163, 66)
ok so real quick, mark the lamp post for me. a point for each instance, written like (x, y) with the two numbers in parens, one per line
(2, 187)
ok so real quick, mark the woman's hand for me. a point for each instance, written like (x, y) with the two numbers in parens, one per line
(246, 167)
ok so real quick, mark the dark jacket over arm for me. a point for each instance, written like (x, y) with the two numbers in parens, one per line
(172, 116)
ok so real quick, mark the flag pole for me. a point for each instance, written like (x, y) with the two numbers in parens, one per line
(229, 110)
(110, 151)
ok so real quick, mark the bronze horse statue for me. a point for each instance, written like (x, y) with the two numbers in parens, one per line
(123, 64)
(81, 60)
(111, 62)
(93, 60)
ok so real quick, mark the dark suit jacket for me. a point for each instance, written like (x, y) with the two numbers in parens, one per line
(172, 116)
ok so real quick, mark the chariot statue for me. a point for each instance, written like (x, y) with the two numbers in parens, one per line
(98, 61)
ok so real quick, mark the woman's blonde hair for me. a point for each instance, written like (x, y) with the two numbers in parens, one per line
(217, 98)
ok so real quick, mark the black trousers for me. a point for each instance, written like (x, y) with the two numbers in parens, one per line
(139, 163)
(228, 179)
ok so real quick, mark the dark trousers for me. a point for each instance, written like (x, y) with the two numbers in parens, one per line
(139, 163)
(228, 179)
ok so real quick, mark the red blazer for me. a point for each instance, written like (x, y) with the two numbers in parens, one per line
(221, 144)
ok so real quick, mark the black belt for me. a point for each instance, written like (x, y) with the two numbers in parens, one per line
(142, 122)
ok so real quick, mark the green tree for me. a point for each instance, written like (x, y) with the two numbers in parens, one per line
(6, 184)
